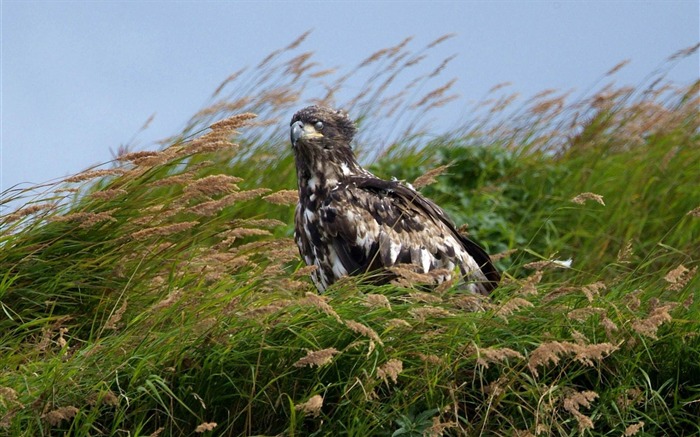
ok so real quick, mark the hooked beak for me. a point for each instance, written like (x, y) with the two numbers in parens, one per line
(300, 130)
(297, 131)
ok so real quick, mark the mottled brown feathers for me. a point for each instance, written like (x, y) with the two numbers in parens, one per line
(350, 222)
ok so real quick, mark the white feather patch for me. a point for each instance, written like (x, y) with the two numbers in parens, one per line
(394, 250)
(313, 182)
(425, 260)
(337, 266)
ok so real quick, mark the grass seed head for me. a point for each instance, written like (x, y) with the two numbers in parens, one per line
(679, 277)
(283, 197)
(496, 355)
(649, 326)
(55, 417)
(634, 429)
(390, 370)
(377, 301)
(583, 197)
(317, 358)
(574, 402)
(312, 407)
(204, 427)
(364, 330)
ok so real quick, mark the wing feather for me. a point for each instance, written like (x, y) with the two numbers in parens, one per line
(375, 223)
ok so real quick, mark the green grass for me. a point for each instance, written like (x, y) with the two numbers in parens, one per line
(153, 301)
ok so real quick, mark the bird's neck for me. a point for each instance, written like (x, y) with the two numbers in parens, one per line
(321, 176)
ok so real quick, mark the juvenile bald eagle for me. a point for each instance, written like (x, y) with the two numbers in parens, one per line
(349, 221)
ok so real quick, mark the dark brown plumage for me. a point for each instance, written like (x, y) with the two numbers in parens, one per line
(349, 222)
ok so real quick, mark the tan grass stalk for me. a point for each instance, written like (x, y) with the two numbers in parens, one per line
(212, 185)
(685, 52)
(439, 68)
(679, 277)
(390, 370)
(441, 39)
(471, 302)
(228, 80)
(136, 156)
(586, 354)
(407, 276)
(116, 317)
(608, 325)
(630, 398)
(255, 313)
(625, 254)
(688, 301)
(244, 232)
(574, 402)
(86, 219)
(322, 73)
(168, 301)
(178, 179)
(305, 271)
(67, 190)
(512, 306)
(420, 296)
(431, 359)
(262, 223)
(423, 313)
(283, 197)
(694, 212)
(582, 314)
(434, 94)
(650, 325)
(496, 355)
(617, 67)
(398, 323)
(374, 57)
(204, 427)
(438, 428)
(529, 284)
(233, 122)
(429, 177)
(165, 230)
(377, 301)
(29, 210)
(364, 330)
(504, 254)
(634, 428)
(55, 417)
(108, 194)
(321, 302)
(592, 291)
(547, 264)
(312, 407)
(92, 174)
(317, 358)
(499, 86)
(214, 206)
(212, 142)
(553, 351)
(583, 197)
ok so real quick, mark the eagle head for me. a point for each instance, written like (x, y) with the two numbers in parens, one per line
(322, 128)
(321, 139)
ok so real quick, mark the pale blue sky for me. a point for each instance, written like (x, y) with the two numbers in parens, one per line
(81, 77)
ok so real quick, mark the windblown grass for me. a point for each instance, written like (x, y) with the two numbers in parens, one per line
(162, 295)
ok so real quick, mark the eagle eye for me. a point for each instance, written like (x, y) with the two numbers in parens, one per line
(318, 125)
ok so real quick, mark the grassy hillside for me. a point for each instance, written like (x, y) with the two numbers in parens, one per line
(161, 294)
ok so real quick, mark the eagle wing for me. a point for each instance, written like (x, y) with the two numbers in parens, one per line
(371, 223)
